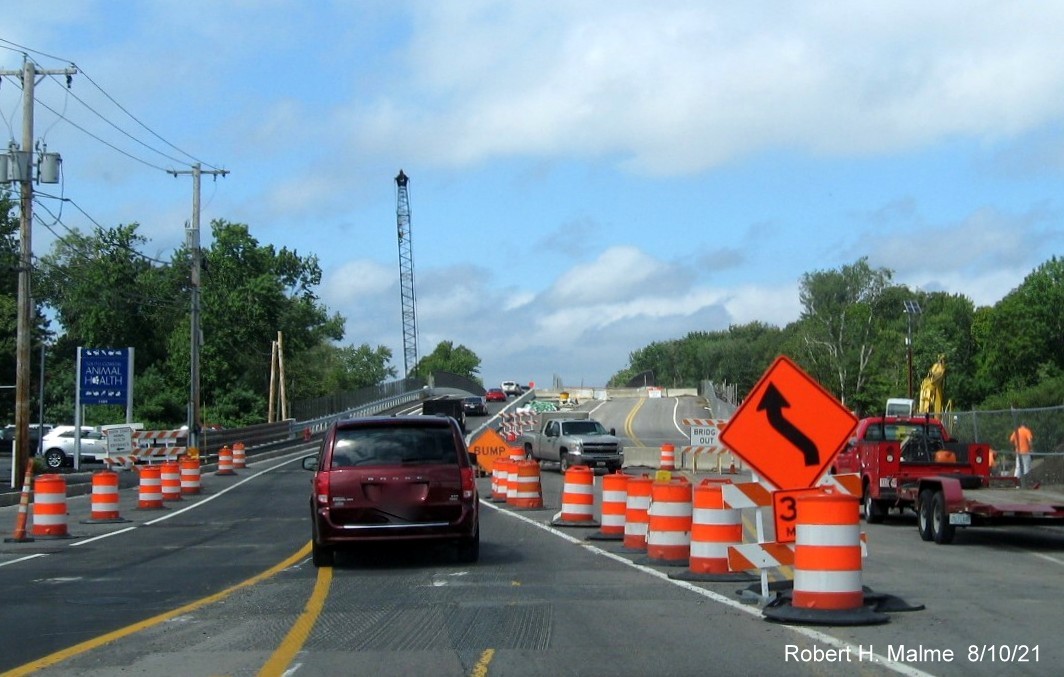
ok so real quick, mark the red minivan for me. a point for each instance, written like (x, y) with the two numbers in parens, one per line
(393, 478)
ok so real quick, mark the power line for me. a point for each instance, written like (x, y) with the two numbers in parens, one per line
(22, 49)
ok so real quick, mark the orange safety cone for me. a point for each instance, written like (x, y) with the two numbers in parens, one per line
(524, 490)
(50, 507)
(668, 457)
(714, 528)
(240, 458)
(636, 513)
(669, 523)
(578, 499)
(150, 489)
(500, 480)
(104, 500)
(170, 480)
(827, 565)
(190, 475)
(614, 505)
(225, 462)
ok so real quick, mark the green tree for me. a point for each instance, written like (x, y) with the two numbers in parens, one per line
(250, 292)
(447, 357)
(1020, 340)
(838, 325)
(327, 368)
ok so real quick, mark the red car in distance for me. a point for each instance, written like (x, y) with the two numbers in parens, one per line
(495, 395)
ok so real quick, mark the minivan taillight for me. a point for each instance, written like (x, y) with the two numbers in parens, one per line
(469, 485)
(321, 488)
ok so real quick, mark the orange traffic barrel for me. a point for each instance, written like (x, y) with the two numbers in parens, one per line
(668, 457)
(612, 510)
(578, 498)
(715, 527)
(190, 475)
(170, 480)
(500, 479)
(240, 459)
(225, 462)
(669, 523)
(827, 564)
(516, 453)
(524, 490)
(150, 489)
(104, 506)
(636, 513)
(50, 506)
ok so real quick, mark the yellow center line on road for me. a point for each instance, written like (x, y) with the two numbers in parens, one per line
(297, 636)
(97, 642)
(630, 419)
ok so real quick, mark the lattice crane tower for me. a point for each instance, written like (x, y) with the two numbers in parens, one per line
(406, 272)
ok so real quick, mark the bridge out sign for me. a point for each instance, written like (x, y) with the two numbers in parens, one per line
(105, 375)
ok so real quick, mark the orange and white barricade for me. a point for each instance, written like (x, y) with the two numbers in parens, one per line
(225, 462)
(667, 457)
(500, 479)
(240, 458)
(170, 480)
(637, 513)
(669, 523)
(150, 490)
(827, 565)
(715, 527)
(190, 475)
(613, 507)
(50, 507)
(578, 499)
(104, 505)
(524, 490)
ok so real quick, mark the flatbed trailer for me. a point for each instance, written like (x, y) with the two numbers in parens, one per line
(912, 463)
(942, 504)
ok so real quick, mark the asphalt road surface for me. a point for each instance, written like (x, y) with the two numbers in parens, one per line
(221, 584)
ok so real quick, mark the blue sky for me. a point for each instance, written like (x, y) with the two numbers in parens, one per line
(585, 177)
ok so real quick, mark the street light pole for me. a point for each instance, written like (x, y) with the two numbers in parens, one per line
(911, 308)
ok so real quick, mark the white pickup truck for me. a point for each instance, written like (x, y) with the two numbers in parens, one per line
(571, 438)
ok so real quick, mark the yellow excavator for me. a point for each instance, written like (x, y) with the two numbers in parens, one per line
(932, 396)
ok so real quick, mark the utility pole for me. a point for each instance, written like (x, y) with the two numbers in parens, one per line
(196, 334)
(24, 325)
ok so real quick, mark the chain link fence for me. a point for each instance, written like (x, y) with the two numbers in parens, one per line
(994, 427)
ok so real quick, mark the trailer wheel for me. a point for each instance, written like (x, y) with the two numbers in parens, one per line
(942, 530)
(923, 514)
(874, 511)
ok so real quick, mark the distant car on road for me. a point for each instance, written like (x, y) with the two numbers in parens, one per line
(495, 395)
(512, 388)
(393, 479)
(57, 448)
(475, 405)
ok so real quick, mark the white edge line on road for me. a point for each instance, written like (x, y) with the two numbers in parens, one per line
(23, 559)
(815, 635)
(207, 499)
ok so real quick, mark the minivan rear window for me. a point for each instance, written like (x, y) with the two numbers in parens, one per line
(368, 446)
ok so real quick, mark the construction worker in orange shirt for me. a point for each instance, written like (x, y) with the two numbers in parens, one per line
(1021, 439)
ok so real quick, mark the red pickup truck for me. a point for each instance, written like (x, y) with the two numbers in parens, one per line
(913, 462)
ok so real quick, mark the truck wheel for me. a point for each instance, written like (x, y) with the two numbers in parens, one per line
(563, 462)
(923, 514)
(941, 529)
(873, 508)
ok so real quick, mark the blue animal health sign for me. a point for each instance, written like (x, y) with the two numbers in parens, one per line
(105, 375)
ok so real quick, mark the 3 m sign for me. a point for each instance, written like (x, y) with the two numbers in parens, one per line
(788, 429)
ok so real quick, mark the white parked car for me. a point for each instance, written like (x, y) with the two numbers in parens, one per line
(58, 447)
